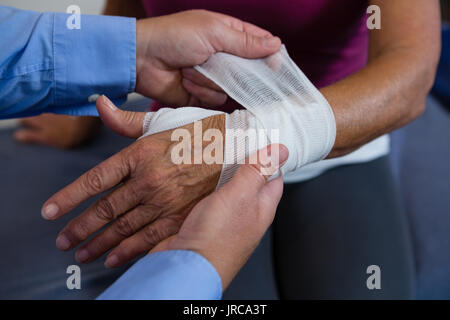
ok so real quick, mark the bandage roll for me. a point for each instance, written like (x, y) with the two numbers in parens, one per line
(282, 99)
(281, 106)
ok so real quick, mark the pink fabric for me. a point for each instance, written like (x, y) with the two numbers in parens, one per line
(327, 39)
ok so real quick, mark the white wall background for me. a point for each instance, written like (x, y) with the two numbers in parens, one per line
(86, 6)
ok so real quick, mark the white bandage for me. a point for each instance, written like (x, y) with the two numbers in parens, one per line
(168, 118)
(281, 98)
(281, 103)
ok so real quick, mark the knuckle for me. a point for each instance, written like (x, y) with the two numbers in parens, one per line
(153, 180)
(158, 178)
(247, 40)
(129, 117)
(143, 149)
(124, 227)
(79, 230)
(104, 210)
(253, 173)
(152, 235)
(92, 181)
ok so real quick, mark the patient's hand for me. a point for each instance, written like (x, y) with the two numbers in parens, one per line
(148, 196)
(57, 130)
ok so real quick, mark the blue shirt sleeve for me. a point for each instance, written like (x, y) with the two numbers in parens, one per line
(47, 67)
(167, 275)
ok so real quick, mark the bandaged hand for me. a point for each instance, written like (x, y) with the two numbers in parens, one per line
(282, 106)
(148, 195)
(158, 189)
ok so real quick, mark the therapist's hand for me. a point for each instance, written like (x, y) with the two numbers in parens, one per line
(169, 43)
(147, 196)
(226, 226)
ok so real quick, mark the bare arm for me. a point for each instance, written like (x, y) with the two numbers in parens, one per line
(391, 90)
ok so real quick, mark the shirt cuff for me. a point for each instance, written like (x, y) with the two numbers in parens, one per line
(98, 58)
(168, 275)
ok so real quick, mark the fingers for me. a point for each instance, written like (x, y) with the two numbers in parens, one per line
(253, 30)
(125, 123)
(104, 176)
(203, 89)
(142, 242)
(250, 182)
(243, 26)
(251, 177)
(199, 79)
(246, 40)
(123, 227)
(34, 122)
(30, 136)
(269, 197)
(245, 45)
(102, 212)
(205, 95)
(32, 132)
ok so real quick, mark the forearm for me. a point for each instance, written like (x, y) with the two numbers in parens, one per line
(391, 90)
(387, 94)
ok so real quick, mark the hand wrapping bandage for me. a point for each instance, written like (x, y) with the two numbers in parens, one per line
(279, 100)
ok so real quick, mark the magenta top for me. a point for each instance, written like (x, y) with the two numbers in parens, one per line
(327, 39)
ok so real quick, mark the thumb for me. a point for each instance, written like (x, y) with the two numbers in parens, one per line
(125, 123)
(252, 176)
(247, 45)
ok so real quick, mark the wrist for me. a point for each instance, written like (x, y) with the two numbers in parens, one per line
(144, 29)
(140, 49)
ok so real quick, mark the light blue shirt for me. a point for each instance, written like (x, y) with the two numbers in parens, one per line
(173, 274)
(46, 67)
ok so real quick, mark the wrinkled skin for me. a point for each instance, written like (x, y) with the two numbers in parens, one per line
(227, 226)
(149, 195)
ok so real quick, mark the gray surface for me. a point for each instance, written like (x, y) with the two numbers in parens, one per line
(31, 266)
(421, 158)
(329, 229)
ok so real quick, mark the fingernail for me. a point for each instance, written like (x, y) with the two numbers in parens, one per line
(50, 211)
(62, 243)
(109, 103)
(271, 42)
(274, 157)
(112, 261)
(82, 255)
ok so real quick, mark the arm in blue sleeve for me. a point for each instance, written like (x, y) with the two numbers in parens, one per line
(47, 67)
(171, 275)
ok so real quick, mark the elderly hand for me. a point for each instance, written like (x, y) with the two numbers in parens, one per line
(169, 43)
(149, 196)
(226, 226)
